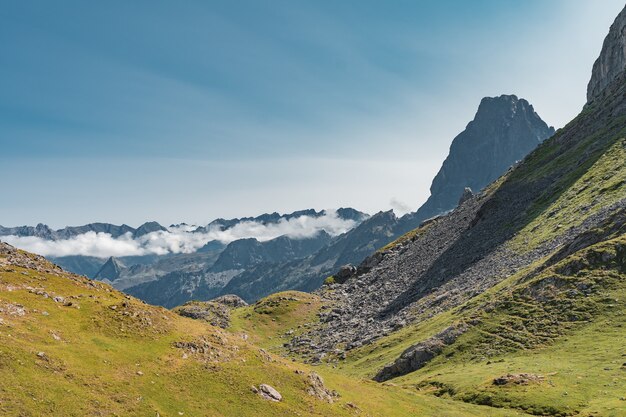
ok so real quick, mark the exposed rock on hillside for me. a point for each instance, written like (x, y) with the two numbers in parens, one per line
(317, 389)
(612, 60)
(216, 311)
(420, 354)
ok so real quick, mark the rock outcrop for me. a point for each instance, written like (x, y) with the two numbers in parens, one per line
(317, 389)
(230, 300)
(418, 355)
(612, 60)
(216, 311)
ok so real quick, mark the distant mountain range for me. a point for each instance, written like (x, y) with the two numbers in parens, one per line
(45, 232)
(212, 264)
(504, 130)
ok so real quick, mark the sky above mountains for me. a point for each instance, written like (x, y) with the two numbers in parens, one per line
(186, 111)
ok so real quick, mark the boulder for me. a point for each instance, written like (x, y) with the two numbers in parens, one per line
(467, 194)
(344, 273)
(269, 393)
(317, 389)
(518, 379)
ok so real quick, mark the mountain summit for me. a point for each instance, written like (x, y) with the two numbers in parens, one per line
(111, 270)
(504, 130)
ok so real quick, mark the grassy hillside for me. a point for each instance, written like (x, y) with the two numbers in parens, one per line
(556, 335)
(548, 339)
(564, 324)
(74, 347)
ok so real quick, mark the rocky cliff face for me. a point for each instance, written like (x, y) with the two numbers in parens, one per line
(504, 130)
(612, 60)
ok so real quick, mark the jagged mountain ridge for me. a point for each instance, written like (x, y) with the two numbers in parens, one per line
(45, 232)
(240, 256)
(244, 253)
(307, 274)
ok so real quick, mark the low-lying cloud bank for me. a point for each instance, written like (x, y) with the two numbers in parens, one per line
(180, 239)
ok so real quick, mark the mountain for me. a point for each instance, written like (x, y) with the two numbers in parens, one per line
(111, 270)
(41, 230)
(515, 298)
(90, 265)
(308, 274)
(114, 230)
(212, 246)
(45, 232)
(511, 304)
(240, 256)
(150, 267)
(273, 218)
(87, 266)
(504, 130)
(148, 227)
(244, 253)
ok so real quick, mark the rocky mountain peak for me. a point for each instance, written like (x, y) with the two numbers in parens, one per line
(149, 227)
(504, 130)
(612, 60)
(111, 270)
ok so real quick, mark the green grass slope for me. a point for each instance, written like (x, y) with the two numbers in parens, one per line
(74, 347)
(565, 323)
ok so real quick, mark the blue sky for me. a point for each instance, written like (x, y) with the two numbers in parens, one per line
(125, 111)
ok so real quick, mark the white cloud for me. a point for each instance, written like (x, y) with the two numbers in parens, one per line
(180, 239)
(399, 207)
(87, 244)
